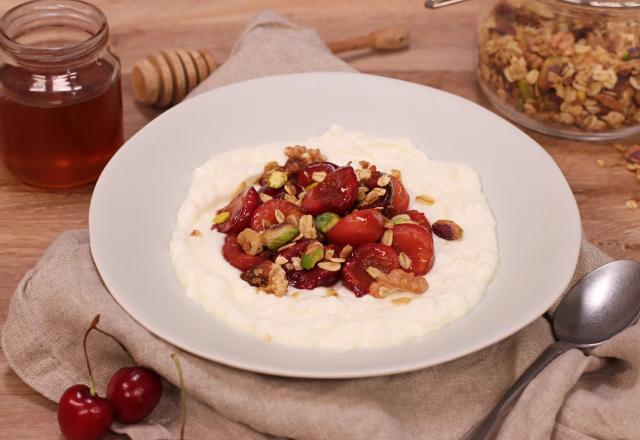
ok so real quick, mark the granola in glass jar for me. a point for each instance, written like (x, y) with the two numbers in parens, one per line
(563, 69)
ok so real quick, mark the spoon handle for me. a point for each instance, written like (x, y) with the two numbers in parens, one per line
(484, 429)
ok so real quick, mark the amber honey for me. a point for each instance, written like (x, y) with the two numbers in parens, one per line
(60, 93)
(60, 145)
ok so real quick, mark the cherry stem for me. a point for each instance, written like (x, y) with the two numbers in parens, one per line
(92, 390)
(99, 330)
(183, 394)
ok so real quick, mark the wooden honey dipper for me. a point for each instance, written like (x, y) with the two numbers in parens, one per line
(164, 78)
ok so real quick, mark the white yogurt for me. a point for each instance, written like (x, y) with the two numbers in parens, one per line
(312, 319)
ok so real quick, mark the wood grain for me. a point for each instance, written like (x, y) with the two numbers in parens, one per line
(441, 55)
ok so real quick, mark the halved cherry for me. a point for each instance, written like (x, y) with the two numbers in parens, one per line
(357, 228)
(240, 210)
(336, 193)
(401, 199)
(280, 192)
(307, 279)
(266, 213)
(354, 270)
(233, 253)
(419, 218)
(415, 241)
(304, 177)
(310, 279)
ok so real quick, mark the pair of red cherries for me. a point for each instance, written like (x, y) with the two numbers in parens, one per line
(132, 394)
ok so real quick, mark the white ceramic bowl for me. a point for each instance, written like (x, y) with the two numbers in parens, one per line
(135, 202)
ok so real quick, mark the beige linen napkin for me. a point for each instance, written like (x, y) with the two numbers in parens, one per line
(576, 397)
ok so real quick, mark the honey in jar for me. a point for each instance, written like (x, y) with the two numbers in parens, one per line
(60, 93)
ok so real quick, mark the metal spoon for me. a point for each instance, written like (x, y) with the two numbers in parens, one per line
(599, 306)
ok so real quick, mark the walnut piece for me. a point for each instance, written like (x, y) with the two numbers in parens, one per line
(267, 277)
(300, 156)
(397, 280)
(309, 155)
(251, 241)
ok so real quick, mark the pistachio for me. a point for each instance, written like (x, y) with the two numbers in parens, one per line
(312, 255)
(400, 219)
(447, 229)
(221, 217)
(525, 89)
(279, 235)
(326, 221)
(277, 179)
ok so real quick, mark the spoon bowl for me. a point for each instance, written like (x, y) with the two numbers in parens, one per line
(600, 305)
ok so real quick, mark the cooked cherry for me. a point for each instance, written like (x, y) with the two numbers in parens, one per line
(415, 241)
(134, 392)
(419, 218)
(240, 210)
(401, 199)
(305, 176)
(265, 215)
(357, 228)
(233, 253)
(354, 271)
(336, 193)
(308, 279)
(83, 415)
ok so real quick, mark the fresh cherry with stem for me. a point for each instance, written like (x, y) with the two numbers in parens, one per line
(134, 391)
(82, 414)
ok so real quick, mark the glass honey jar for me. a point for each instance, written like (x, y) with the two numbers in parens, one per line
(60, 93)
(568, 68)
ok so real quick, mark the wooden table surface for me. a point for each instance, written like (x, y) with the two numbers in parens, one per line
(441, 56)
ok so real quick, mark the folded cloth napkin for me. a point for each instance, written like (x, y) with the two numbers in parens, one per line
(576, 397)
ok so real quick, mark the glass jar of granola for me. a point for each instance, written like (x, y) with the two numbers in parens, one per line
(568, 68)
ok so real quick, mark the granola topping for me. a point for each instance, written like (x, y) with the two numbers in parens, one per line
(578, 72)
